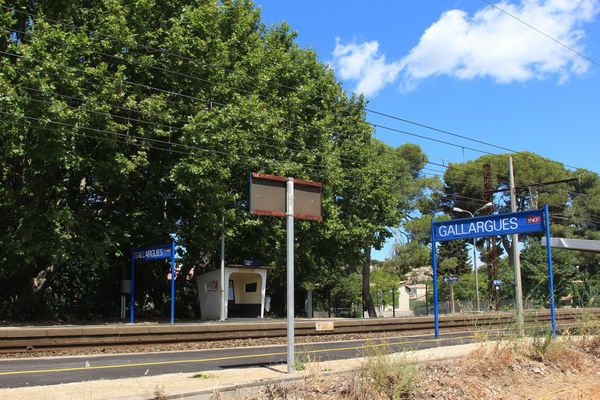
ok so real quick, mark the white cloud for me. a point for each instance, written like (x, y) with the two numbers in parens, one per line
(493, 44)
(487, 44)
(364, 64)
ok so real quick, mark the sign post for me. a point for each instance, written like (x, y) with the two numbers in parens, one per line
(290, 198)
(451, 280)
(491, 225)
(436, 317)
(550, 272)
(160, 252)
(290, 274)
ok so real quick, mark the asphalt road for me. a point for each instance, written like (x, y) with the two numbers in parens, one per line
(58, 370)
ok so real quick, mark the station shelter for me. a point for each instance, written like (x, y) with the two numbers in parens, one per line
(245, 289)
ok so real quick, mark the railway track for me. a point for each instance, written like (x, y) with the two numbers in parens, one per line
(26, 339)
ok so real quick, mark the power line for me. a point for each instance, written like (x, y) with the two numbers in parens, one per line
(167, 52)
(127, 119)
(189, 97)
(440, 130)
(295, 122)
(124, 138)
(195, 124)
(155, 141)
(430, 138)
(542, 33)
(319, 168)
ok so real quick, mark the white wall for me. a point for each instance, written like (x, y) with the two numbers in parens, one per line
(210, 300)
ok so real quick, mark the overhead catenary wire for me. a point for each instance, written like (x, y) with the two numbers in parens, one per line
(177, 128)
(127, 119)
(189, 97)
(158, 141)
(153, 141)
(170, 53)
(559, 42)
(194, 97)
(383, 127)
(124, 138)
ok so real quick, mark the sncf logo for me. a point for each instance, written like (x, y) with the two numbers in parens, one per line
(534, 219)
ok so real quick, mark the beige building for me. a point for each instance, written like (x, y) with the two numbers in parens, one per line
(244, 288)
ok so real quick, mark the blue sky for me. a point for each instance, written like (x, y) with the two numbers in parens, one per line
(465, 67)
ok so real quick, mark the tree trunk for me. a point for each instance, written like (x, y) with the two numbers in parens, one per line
(508, 248)
(366, 280)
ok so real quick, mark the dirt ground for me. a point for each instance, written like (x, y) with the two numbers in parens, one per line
(540, 370)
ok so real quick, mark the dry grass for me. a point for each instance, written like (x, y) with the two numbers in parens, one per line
(537, 368)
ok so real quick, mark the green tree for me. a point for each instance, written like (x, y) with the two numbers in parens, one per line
(382, 283)
(535, 272)
(130, 123)
(378, 197)
(457, 251)
(463, 185)
(410, 255)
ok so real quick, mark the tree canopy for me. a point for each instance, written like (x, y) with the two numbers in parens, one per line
(134, 123)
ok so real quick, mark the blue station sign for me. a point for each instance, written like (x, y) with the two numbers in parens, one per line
(490, 225)
(152, 253)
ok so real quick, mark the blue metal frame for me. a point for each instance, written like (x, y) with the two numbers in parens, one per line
(436, 321)
(132, 301)
(544, 213)
(173, 282)
(520, 222)
(550, 271)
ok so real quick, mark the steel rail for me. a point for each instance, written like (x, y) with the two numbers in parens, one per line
(25, 339)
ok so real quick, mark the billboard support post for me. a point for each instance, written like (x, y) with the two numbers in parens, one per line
(222, 294)
(290, 274)
(278, 196)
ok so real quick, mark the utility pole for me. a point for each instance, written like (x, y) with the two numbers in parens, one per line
(487, 196)
(515, 254)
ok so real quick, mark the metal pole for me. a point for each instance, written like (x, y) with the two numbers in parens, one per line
(132, 302)
(476, 276)
(290, 274)
(394, 302)
(515, 255)
(222, 318)
(550, 272)
(173, 282)
(436, 322)
(426, 300)
(452, 296)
